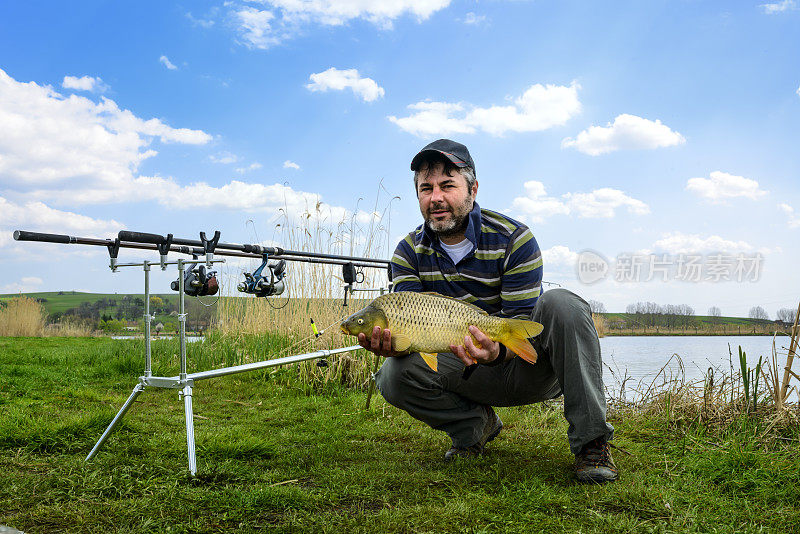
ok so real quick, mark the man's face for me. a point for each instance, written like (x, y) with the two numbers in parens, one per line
(445, 201)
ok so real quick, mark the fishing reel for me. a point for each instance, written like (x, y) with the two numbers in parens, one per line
(265, 283)
(198, 282)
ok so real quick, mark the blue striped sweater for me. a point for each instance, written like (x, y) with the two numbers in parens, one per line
(502, 274)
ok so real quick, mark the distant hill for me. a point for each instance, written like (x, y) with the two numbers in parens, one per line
(61, 301)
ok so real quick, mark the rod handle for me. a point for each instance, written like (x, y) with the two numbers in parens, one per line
(141, 237)
(23, 235)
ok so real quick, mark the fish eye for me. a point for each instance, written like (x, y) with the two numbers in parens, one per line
(361, 321)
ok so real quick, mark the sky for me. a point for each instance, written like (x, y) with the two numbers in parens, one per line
(650, 146)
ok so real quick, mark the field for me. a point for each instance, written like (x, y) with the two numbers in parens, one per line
(626, 324)
(280, 453)
(61, 301)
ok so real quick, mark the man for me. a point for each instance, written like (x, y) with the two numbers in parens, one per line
(494, 262)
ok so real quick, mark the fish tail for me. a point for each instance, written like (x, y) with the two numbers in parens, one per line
(517, 338)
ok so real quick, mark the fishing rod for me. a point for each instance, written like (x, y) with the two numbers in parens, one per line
(266, 280)
(143, 241)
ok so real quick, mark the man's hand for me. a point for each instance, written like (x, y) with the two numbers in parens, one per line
(468, 353)
(379, 343)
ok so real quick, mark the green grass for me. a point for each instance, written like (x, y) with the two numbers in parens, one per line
(274, 453)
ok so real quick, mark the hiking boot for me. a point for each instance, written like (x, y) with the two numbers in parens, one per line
(594, 463)
(493, 427)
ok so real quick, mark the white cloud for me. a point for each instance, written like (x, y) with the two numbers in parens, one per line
(57, 141)
(73, 151)
(255, 28)
(677, 242)
(39, 217)
(164, 60)
(288, 164)
(239, 196)
(793, 220)
(536, 206)
(602, 203)
(721, 185)
(473, 19)
(336, 12)
(283, 19)
(27, 284)
(251, 167)
(798, 91)
(338, 80)
(779, 7)
(559, 255)
(627, 132)
(540, 107)
(84, 83)
(433, 118)
(204, 23)
(223, 157)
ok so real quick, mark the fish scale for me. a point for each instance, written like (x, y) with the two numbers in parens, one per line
(443, 322)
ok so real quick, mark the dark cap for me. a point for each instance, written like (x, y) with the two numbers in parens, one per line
(455, 152)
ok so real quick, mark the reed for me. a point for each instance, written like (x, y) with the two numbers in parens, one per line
(314, 291)
(749, 379)
(69, 327)
(22, 316)
(599, 324)
(721, 399)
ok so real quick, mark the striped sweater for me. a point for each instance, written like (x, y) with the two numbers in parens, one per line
(502, 274)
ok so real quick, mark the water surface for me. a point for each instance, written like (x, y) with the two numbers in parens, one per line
(642, 357)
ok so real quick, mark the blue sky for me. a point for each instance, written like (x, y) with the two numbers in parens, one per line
(659, 131)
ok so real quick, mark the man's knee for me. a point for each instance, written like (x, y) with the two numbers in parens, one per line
(562, 305)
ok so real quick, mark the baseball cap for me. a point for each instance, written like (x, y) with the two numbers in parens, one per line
(455, 152)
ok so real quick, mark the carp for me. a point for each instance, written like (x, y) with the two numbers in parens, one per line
(429, 323)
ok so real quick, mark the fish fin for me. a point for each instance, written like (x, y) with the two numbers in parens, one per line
(432, 359)
(401, 342)
(517, 340)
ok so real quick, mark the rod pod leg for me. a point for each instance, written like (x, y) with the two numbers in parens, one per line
(138, 388)
(187, 405)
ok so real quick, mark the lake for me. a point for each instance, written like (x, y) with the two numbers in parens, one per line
(641, 357)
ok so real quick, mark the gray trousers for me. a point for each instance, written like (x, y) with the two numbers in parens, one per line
(568, 363)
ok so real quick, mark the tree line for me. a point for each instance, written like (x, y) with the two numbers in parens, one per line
(126, 308)
(679, 315)
(668, 315)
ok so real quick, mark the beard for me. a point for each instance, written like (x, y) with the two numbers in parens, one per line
(454, 224)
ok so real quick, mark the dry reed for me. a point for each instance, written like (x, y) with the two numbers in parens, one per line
(314, 291)
(599, 324)
(719, 399)
(69, 328)
(22, 316)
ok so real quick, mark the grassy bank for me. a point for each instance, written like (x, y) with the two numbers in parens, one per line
(276, 452)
